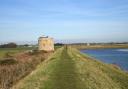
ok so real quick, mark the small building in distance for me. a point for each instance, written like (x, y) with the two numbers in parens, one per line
(46, 44)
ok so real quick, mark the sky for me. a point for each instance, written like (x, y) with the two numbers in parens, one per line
(64, 20)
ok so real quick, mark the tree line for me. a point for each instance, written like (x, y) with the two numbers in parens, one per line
(8, 45)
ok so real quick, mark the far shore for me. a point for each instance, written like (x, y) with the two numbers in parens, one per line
(80, 47)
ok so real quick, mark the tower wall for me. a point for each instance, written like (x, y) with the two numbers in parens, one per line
(46, 44)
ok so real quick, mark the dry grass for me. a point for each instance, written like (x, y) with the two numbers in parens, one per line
(18, 67)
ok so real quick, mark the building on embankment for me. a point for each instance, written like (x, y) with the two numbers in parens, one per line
(46, 44)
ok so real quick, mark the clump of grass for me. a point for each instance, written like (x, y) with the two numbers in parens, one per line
(33, 52)
(8, 61)
(8, 54)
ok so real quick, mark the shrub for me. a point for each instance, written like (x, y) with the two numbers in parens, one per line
(8, 55)
(9, 45)
(8, 61)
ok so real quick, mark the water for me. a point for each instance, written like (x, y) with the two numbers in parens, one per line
(112, 56)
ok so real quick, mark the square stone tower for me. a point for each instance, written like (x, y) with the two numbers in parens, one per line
(46, 43)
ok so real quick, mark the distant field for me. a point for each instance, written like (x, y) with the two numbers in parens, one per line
(56, 47)
(13, 51)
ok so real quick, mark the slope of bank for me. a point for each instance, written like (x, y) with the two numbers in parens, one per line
(69, 69)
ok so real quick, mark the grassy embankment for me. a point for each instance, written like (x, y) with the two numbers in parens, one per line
(69, 69)
(16, 63)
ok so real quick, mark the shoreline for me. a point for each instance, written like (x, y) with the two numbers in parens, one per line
(115, 65)
(82, 47)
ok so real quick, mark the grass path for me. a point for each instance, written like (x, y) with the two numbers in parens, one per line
(64, 73)
(69, 69)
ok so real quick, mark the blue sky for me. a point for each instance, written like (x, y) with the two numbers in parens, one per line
(72, 20)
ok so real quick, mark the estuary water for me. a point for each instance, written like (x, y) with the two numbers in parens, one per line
(111, 56)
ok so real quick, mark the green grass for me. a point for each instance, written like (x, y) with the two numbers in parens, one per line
(56, 47)
(12, 51)
(67, 68)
